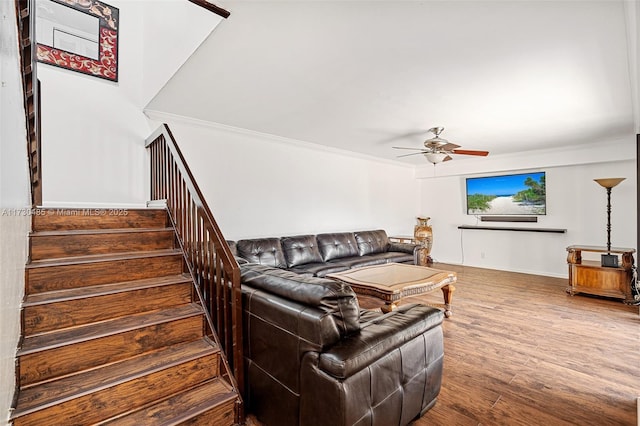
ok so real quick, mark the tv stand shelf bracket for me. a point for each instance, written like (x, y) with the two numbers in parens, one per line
(590, 277)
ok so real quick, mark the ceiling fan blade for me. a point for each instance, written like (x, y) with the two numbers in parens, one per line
(470, 152)
(413, 153)
(449, 146)
(397, 137)
(401, 147)
(447, 158)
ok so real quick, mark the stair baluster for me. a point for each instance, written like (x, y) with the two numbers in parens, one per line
(209, 257)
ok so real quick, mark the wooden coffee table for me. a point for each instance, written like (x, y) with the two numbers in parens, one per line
(393, 281)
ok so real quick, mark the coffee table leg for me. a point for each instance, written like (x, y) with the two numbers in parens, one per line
(388, 307)
(447, 292)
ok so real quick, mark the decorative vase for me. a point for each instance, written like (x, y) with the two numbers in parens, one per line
(423, 235)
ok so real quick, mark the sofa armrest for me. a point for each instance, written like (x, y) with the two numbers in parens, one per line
(377, 338)
(403, 247)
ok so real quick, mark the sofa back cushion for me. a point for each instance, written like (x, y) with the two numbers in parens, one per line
(372, 242)
(337, 245)
(265, 251)
(300, 250)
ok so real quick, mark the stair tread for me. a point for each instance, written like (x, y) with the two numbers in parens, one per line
(50, 393)
(101, 289)
(75, 260)
(99, 218)
(59, 338)
(65, 232)
(199, 399)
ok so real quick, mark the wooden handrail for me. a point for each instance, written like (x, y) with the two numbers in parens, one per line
(207, 254)
(212, 8)
(25, 21)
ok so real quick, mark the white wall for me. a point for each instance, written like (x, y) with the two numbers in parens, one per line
(574, 202)
(258, 186)
(169, 42)
(14, 198)
(93, 130)
(632, 14)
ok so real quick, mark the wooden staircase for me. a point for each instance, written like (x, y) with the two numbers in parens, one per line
(113, 331)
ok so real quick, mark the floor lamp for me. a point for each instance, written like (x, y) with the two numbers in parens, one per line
(608, 183)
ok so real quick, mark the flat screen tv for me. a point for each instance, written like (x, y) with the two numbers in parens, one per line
(515, 194)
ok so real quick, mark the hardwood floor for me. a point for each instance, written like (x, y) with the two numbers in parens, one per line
(520, 351)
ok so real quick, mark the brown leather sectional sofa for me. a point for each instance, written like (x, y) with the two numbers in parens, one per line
(313, 357)
(323, 254)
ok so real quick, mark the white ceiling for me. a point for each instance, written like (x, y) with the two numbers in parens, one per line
(504, 76)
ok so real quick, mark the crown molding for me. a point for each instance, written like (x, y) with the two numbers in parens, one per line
(161, 117)
(603, 152)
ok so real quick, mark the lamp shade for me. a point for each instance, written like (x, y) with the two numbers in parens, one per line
(609, 182)
(435, 157)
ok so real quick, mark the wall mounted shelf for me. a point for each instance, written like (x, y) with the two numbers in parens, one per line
(510, 228)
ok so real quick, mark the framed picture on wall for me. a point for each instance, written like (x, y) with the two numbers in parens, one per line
(78, 35)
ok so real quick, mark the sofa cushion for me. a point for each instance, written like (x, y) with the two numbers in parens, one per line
(337, 245)
(319, 269)
(332, 297)
(357, 261)
(371, 242)
(300, 250)
(265, 251)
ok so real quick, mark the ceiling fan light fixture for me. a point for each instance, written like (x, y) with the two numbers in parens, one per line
(435, 157)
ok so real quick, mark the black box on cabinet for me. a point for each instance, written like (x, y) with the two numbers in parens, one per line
(609, 260)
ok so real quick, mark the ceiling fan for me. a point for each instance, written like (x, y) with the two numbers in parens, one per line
(437, 149)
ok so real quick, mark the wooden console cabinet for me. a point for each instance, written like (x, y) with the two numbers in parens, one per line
(588, 276)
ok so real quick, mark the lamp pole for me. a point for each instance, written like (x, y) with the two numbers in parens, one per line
(608, 220)
(609, 183)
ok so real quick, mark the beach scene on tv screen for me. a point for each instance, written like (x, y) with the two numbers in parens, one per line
(520, 194)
